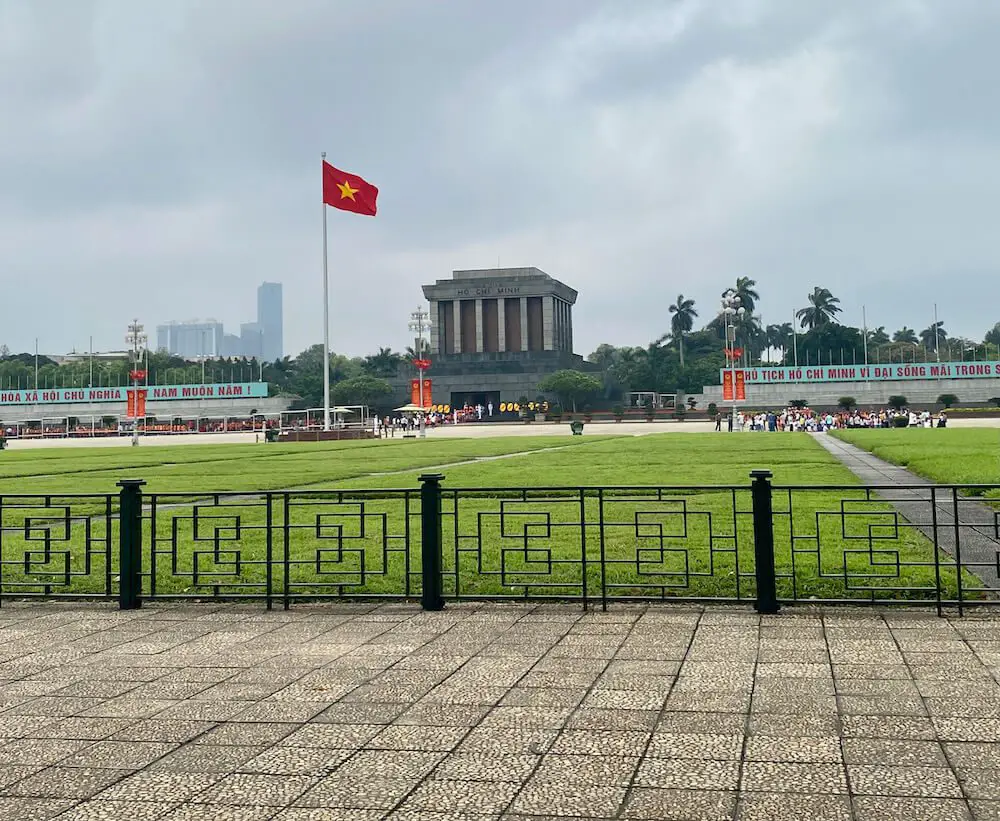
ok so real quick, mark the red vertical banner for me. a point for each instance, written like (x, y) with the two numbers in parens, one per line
(427, 393)
(130, 405)
(414, 391)
(727, 386)
(741, 387)
(140, 404)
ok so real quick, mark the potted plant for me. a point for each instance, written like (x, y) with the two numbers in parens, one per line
(712, 409)
(555, 412)
(649, 409)
(692, 403)
(523, 409)
(540, 404)
(588, 413)
(619, 412)
(679, 413)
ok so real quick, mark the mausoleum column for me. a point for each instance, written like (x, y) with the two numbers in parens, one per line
(501, 325)
(479, 326)
(524, 323)
(456, 306)
(435, 330)
(548, 321)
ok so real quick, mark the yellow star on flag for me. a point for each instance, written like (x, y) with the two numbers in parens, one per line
(346, 192)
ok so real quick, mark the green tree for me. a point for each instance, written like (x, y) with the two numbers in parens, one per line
(384, 364)
(947, 399)
(878, 336)
(361, 390)
(905, 334)
(823, 309)
(927, 336)
(682, 321)
(847, 402)
(570, 386)
(745, 290)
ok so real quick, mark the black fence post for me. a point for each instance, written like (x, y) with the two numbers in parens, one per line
(130, 544)
(763, 542)
(432, 597)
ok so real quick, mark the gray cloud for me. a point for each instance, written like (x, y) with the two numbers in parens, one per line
(160, 160)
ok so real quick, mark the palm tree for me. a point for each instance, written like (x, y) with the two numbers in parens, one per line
(927, 336)
(779, 336)
(682, 321)
(905, 334)
(745, 291)
(413, 353)
(878, 336)
(823, 309)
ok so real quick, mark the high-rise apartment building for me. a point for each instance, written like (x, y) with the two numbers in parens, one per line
(269, 321)
(191, 340)
(262, 340)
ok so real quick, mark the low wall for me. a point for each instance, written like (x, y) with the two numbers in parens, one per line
(186, 409)
(874, 393)
(325, 435)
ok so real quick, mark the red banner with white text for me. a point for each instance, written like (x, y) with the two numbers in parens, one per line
(741, 386)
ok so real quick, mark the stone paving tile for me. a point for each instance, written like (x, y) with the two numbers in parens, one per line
(207, 758)
(679, 805)
(220, 812)
(250, 733)
(979, 783)
(601, 770)
(120, 754)
(161, 786)
(688, 774)
(788, 806)
(772, 776)
(879, 808)
(717, 746)
(350, 793)
(28, 751)
(479, 797)
(256, 789)
(914, 781)
(899, 753)
(402, 737)
(793, 749)
(67, 782)
(600, 742)
(327, 814)
(486, 767)
(32, 809)
(98, 810)
(311, 761)
(985, 810)
(540, 797)
(600, 719)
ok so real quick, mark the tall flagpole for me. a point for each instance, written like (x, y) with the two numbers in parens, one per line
(326, 319)
(864, 327)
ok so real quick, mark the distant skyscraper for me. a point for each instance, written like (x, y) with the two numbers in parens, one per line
(251, 340)
(191, 340)
(269, 321)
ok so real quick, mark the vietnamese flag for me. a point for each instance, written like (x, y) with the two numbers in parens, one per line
(348, 192)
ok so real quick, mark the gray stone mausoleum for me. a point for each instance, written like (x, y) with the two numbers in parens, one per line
(496, 333)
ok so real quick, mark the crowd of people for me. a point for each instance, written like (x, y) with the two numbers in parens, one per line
(806, 419)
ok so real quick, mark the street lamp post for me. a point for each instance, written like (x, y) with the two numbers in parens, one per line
(419, 320)
(731, 310)
(137, 339)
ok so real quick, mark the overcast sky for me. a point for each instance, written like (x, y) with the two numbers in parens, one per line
(161, 159)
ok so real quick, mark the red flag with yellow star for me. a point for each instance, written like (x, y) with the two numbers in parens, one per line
(348, 192)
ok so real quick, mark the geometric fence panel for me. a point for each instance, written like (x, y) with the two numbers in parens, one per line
(928, 544)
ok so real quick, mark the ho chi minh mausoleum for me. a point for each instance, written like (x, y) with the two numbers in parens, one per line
(496, 333)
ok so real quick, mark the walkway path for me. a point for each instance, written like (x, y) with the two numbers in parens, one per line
(482, 713)
(934, 514)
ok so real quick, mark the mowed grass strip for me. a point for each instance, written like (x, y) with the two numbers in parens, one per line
(949, 455)
(243, 467)
(688, 540)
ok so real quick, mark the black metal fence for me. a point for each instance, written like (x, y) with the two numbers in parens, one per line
(756, 543)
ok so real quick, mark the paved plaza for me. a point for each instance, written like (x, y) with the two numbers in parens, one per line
(502, 711)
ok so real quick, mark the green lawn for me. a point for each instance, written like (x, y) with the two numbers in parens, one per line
(949, 456)
(675, 532)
